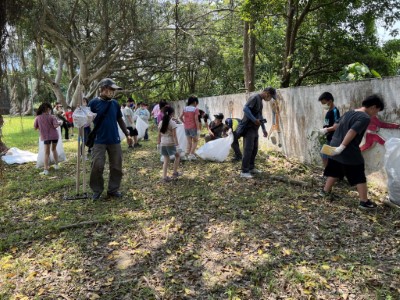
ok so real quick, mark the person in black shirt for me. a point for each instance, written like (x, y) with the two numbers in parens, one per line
(332, 115)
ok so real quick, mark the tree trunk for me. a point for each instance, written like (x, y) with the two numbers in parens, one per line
(249, 56)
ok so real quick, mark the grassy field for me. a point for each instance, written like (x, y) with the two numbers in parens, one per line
(209, 235)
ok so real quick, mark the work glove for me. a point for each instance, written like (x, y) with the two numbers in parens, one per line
(338, 150)
(323, 130)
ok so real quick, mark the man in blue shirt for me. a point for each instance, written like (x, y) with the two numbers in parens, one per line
(107, 139)
(251, 122)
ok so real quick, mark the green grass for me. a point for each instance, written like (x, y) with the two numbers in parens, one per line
(210, 235)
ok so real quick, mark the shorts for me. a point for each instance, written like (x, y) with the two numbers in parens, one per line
(355, 174)
(132, 132)
(48, 142)
(168, 150)
(191, 132)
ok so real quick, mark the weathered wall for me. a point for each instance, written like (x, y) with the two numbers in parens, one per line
(301, 116)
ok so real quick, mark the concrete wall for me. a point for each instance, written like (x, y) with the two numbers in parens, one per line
(301, 116)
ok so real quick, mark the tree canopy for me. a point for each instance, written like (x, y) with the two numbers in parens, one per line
(171, 49)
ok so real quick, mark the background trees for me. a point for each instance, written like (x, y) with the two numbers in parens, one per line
(58, 50)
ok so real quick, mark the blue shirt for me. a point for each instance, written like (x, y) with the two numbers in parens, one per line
(107, 133)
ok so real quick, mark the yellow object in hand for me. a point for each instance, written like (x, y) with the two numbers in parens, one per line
(328, 150)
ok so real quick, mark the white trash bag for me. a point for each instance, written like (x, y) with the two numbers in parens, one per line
(141, 127)
(392, 167)
(216, 150)
(60, 152)
(83, 116)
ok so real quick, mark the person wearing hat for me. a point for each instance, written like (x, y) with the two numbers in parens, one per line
(215, 129)
(107, 139)
(248, 128)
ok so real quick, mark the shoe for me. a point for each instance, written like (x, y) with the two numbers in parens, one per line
(176, 174)
(137, 145)
(130, 146)
(192, 157)
(328, 195)
(114, 194)
(246, 175)
(367, 205)
(235, 159)
(56, 167)
(167, 179)
(96, 196)
(255, 171)
(45, 172)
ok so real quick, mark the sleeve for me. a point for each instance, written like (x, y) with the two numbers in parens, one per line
(54, 121)
(36, 123)
(119, 113)
(361, 124)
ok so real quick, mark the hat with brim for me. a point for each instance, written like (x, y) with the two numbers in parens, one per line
(107, 82)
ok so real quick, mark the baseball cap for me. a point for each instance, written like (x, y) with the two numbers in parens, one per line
(271, 91)
(110, 83)
(219, 116)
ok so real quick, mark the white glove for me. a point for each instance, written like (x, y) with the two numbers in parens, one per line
(158, 148)
(323, 130)
(338, 150)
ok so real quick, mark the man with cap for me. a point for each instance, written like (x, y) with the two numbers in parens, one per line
(248, 128)
(107, 140)
(215, 129)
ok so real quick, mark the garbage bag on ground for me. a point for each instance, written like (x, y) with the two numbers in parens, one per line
(60, 152)
(216, 150)
(392, 167)
(17, 156)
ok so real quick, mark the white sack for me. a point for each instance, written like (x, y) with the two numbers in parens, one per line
(216, 150)
(392, 167)
(17, 156)
(60, 151)
(83, 116)
(141, 127)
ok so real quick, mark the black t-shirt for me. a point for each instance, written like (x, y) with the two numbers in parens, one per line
(330, 118)
(358, 121)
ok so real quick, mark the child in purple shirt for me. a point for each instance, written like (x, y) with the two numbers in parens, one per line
(47, 124)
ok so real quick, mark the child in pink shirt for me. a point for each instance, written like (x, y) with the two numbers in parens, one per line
(190, 119)
(47, 124)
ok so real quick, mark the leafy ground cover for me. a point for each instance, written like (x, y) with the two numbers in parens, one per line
(208, 235)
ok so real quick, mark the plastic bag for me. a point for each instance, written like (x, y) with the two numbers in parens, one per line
(216, 150)
(392, 167)
(60, 152)
(141, 127)
(82, 116)
(17, 156)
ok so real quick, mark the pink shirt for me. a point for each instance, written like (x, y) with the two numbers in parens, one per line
(190, 115)
(47, 125)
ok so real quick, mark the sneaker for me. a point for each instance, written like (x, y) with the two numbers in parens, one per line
(167, 179)
(45, 172)
(176, 174)
(235, 159)
(328, 195)
(137, 145)
(114, 194)
(192, 157)
(130, 146)
(255, 171)
(246, 175)
(367, 205)
(96, 196)
(56, 167)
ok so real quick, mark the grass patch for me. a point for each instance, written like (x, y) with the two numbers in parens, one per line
(209, 235)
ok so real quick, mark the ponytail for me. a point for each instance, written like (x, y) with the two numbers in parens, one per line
(168, 111)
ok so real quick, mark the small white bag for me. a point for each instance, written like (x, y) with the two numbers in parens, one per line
(141, 127)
